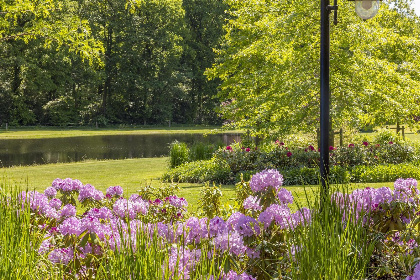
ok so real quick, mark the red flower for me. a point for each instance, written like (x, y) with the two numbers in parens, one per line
(311, 148)
(365, 143)
(247, 149)
(228, 148)
(351, 145)
(332, 148)
(390, 143)
(289, 154)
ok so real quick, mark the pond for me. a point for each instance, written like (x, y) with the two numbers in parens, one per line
(71, 149)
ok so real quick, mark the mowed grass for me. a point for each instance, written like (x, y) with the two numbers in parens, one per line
(131, 174)
(57, 132)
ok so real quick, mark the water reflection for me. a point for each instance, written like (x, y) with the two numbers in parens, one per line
(71, 149)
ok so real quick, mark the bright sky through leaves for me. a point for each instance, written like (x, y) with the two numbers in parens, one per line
(416, 5)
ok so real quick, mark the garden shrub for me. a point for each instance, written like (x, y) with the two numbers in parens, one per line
(384, 136)
(367, 234)
(200, 171)
(202, 151)
(383, 173)
(311, 176)
(335, 245)
(178, 154)
(210, 200)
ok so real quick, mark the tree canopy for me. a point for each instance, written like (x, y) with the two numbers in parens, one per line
(108, 61)
(269, 66)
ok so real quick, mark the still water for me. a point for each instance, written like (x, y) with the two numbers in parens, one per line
(72, 149)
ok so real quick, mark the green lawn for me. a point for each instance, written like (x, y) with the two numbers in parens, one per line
(130, 174)
(55, 132)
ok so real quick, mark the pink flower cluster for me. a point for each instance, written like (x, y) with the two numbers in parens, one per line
(264, 180)
(416, 275)
(123, 219)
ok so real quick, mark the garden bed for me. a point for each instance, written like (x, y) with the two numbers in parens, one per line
(73, 231)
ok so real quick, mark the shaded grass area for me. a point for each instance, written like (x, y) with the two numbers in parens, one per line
(131, 174)
(57, 132)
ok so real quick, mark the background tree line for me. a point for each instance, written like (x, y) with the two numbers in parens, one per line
(108, 61)
(144, 62)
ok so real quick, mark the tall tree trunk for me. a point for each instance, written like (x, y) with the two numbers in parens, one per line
(108, 71)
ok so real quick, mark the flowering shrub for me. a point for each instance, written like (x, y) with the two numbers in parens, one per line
(200, 171)
(263, 240)
(299, 164)
(384, 210)
(111, 223)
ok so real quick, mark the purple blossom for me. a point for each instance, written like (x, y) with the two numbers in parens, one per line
(61, 255)
(302, 216)
(67, 185)
(233, 220)
(89, 192)
(45, 245)
(278, 213)
(134, 197)
(252, 203)
(178, 202)
(50, 192)
(183, 260)
(114, 191)
(416, 275)
(230, 241)
(216, 226)
(285, 196)
(55, 203)
(101, 213)
(70, 226)
(68, 211)
(126, 208)
(93, 225)
(247, 226)
(262, 181)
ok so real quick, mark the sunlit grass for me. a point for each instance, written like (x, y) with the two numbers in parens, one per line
(56, 132)
(131, 174)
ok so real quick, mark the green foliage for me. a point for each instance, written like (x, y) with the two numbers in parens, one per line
(132, 62)
(18, 259)
(327, 249)
(202, 151)
(384, 173)
(149, 192)
(311, 176)
(269, 65)
(210, 200)
(384, 136)
(178, 154)
(200, 171)
(242, 191)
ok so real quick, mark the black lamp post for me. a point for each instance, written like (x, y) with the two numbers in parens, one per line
(366, 9)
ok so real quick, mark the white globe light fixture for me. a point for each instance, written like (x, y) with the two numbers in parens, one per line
(367, 9)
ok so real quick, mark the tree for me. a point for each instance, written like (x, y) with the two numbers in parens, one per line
(53, 20)
(205, 20)
(269, 65)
